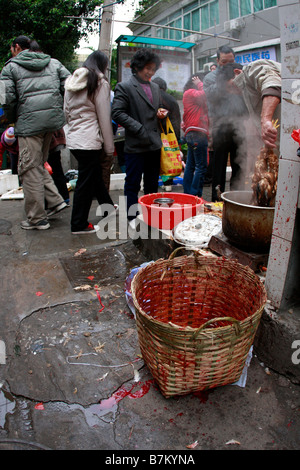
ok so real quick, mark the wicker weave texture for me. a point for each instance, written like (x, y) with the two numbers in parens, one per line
(196, 320)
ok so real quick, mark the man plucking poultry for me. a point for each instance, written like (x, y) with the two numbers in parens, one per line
(260, 85)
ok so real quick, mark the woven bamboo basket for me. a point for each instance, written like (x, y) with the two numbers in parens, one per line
(196, 320)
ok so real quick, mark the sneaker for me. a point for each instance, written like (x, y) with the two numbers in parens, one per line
(89, 229)
(168, 188)
(56, 209)
(42, 225)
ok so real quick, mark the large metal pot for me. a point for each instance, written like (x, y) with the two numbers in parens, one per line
(245, 225)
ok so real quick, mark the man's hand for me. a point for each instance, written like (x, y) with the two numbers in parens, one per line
(268, 130)
(268, 133)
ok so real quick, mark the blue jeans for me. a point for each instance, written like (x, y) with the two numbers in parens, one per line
(196, 164)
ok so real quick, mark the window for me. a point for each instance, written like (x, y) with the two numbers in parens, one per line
(213, 13)
(178, 24)
(191, 6)
(261, 4)
(196, 20)
(239, 8)
(172, 31)
(197, 16)
(270, 3)
(165, 32)
(204, 18)
(186, 24)
(245, 7)
(258, 5)
(201, 62)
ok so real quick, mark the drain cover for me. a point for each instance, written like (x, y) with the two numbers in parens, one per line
(97, 268)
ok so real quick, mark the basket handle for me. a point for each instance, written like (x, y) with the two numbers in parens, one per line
(174, 253)
(235, 322)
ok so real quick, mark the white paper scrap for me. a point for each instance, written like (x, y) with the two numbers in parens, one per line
(2, 353)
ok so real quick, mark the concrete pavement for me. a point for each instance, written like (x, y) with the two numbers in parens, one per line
(73, 377)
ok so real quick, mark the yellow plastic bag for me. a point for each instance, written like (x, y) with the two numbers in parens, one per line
(170, 160)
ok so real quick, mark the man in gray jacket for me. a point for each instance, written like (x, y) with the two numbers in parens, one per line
(33, 85)
(260, 84)
(228, 114)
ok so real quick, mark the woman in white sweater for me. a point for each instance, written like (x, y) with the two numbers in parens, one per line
(89, 135)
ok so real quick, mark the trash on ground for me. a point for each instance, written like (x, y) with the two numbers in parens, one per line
(128, 282)
(233, 441)
(80, 252)
(2, 354)
(13, 194)
(193, 445)
(84, 287)
(39, 406)
(243, 378)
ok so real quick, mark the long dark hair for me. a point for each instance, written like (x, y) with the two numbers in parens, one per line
(95, 63)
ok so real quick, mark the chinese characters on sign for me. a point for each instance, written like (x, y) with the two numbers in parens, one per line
(247, 57)
(175, 66)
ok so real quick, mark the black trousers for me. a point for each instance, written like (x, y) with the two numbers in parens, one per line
(228, 141)
(89, 185)
(138, 165)
(58, 176)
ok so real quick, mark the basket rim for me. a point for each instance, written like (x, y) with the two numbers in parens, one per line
(205, 331)
(189, 329)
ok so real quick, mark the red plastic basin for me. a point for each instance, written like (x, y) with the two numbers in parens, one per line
(166, 218)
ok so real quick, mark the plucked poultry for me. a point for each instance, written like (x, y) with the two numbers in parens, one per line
(264, 179)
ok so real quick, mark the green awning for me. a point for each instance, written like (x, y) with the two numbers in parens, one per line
(156, 41)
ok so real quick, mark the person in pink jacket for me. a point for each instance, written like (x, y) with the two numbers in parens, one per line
(195, 127)
(9, 143)
(89, 134)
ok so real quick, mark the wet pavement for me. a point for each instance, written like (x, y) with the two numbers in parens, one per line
(74, 378)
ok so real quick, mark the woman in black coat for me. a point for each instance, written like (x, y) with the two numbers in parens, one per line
(136, 107)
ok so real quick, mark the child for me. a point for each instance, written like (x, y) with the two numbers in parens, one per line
(58, 143)
(10, 143)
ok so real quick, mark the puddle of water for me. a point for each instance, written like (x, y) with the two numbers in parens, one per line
(108, 407)
(105, 408)
(7, 405)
